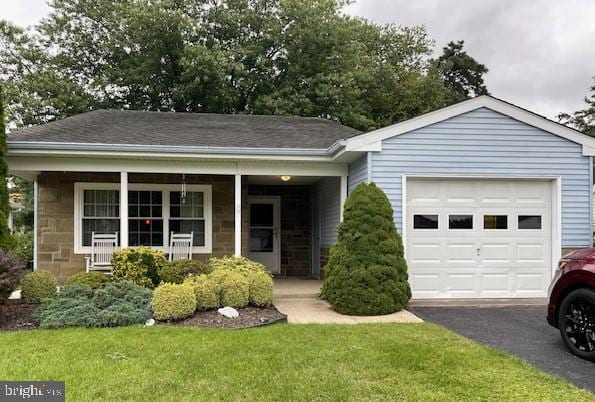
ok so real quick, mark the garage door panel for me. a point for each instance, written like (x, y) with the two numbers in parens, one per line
(460, 253)
(425, 253)
(493, 253)
(500, 260)
(531, 253)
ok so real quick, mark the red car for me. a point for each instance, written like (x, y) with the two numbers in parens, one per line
(571, 307)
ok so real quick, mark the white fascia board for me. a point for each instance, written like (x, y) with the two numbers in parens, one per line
(486, 101)
(227, 167)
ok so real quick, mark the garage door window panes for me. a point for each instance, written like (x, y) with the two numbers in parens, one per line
(425, 221)
(460, 222)
(495, 222)
(529, 221)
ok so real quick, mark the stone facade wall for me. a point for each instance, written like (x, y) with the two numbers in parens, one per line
(55, 233)
(296, 227)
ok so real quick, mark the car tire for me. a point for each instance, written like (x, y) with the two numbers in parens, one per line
(576, 321)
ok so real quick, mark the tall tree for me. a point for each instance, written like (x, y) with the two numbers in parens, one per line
(6, 240)
(584, 119)
(299, 57)
(462, 74)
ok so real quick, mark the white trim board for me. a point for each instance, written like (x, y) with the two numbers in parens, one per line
(375, 138)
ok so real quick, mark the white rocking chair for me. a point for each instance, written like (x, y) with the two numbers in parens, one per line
(102, 249)
(180, 246)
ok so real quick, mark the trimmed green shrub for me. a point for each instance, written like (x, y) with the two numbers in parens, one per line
(23, 247)
(177, 271)
(96, 280)
(140, 265)
(232, 286)
(12, 270)
(366, 273)
(241, 264)
(205, 290)
(173, 301)
(260, 288)
(38, 286)
(79, 305)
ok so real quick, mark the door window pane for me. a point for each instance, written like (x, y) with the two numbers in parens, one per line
(425, 221)
(261, 215)
(495, 222)
(529, 221)
(460, 221)
(261, 240)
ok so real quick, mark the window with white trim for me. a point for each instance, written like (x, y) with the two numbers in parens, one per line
(154, 211)
(101, 213)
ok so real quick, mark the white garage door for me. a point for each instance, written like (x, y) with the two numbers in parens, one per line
(479, 238)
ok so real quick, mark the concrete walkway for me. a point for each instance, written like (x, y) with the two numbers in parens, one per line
(298, 299)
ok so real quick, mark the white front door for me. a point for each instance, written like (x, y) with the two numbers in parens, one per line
(265, 222)
(479, 238)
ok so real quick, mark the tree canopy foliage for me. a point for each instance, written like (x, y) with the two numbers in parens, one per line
(584, 119)
(294, 57)
(6, 239)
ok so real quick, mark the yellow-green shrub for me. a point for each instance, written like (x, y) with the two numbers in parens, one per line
(173, 302)
(238, 264)
(38, 286)
(261, 288)
(205, 290)
(139, 265)
(177, 271)
(233, 287)
(96, 280)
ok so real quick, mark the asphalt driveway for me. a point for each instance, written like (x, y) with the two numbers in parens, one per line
(520, 330)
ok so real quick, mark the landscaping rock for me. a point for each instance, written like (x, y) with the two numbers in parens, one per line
(229, 312)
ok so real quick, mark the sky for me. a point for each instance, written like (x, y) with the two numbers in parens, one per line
(540, 53)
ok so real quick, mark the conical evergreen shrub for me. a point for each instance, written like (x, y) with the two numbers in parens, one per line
(366, 273)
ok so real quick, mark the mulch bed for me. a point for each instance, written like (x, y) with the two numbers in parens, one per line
(249, 317)
(16, 316)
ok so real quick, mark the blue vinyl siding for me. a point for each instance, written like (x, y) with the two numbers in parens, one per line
(328, 189)
(358, 172)
(484, 142)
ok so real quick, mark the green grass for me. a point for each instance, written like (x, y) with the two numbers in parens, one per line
(280, 362)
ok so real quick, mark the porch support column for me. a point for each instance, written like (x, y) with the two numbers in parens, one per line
(123, 209)
(238, 216)
(343, 191)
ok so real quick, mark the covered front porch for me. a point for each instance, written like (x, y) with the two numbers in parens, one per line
(288, 223)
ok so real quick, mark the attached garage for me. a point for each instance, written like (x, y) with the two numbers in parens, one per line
(486, 195)
(479, 238)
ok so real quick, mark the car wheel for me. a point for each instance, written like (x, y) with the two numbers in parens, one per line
(577, 323)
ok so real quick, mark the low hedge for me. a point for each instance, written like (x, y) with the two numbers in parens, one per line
(140, 265)
(95, 280)
(173, 301)
(37, 286)
(205, 290)
(177, 271)
(79, 305)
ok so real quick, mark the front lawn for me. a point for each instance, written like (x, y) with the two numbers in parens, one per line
(279, 362)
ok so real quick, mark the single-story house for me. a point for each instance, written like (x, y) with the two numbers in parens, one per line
(486, 195)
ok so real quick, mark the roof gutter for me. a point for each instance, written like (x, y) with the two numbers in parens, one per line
(147, 149)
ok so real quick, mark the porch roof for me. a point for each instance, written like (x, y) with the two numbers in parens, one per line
(198, 130)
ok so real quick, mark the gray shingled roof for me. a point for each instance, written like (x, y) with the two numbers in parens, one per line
(188, 129)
